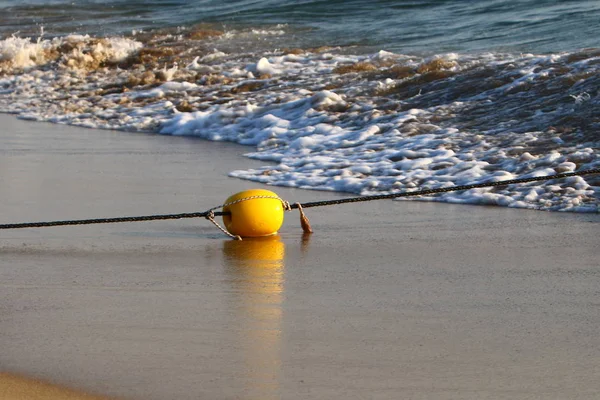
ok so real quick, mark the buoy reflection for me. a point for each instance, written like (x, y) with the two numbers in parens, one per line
(256, 266)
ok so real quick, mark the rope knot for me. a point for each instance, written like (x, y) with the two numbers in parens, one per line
(286, 205)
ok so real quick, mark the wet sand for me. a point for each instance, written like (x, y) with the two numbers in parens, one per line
(386, 300)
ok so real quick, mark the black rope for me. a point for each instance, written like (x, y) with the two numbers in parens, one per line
(109, 220)
(304, 205)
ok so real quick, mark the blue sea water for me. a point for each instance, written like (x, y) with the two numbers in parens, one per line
(356, 96)
(420, 26)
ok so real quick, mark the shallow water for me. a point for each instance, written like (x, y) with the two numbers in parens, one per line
(346, 96)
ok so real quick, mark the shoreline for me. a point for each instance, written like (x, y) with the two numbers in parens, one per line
(395, 299)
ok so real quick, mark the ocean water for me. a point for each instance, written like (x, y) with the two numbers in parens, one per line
(354, 96)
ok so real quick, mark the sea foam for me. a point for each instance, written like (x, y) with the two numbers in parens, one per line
(328, 120)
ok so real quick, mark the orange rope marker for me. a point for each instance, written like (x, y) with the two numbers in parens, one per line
(304, 222)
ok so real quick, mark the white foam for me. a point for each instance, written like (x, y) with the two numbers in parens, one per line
(19, 53)
(120, 48)
(263, 67)
(321, 129)
(22, 53)
(215, 55)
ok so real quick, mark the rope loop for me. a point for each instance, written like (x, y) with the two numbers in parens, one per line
(251, 198)
(210, 215)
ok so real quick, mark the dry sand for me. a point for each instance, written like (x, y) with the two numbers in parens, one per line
(387, 300)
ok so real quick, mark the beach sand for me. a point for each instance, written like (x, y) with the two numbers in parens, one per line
(386, 300)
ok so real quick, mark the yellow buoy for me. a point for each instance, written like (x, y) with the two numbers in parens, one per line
(253, 213)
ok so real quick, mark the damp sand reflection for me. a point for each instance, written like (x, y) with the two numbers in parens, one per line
(257, 272)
